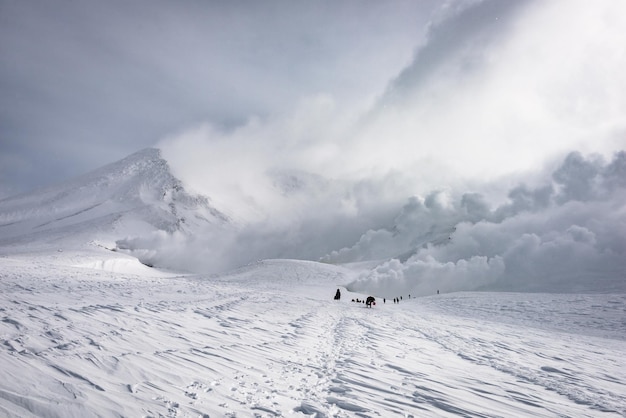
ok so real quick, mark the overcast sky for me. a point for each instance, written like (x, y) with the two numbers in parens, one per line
(462, 89)
(86, 83)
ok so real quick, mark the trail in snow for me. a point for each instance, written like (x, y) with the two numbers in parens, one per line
(269, 341)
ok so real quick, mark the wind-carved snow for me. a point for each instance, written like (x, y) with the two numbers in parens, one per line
(268, 341)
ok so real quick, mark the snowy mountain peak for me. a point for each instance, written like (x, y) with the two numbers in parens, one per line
(137, 193)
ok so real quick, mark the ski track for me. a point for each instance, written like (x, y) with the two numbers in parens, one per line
(80, 343)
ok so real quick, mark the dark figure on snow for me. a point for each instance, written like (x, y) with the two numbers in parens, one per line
(338, 295)
(370, 301)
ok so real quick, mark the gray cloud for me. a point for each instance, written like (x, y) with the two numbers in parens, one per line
(568, 235)
(456, 43)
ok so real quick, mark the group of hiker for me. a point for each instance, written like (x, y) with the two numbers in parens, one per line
(370, 300)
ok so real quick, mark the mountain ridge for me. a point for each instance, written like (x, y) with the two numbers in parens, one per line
(138, 189)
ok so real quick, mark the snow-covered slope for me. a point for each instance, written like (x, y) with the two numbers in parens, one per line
(269, 341)
(132, 196)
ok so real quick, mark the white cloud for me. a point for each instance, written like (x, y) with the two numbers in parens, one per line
(499, 98)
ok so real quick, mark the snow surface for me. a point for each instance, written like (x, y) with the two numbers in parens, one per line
(83, 338)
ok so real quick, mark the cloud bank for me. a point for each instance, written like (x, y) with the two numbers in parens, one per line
(567, 235)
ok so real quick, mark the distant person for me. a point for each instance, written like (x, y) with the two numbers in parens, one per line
(437, 291)
(370, 301)
(338, 295)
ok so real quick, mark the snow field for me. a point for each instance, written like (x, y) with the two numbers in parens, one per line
(269, 341)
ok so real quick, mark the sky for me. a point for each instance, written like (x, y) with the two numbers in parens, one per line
(87, 83)
(440, 91)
